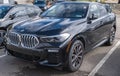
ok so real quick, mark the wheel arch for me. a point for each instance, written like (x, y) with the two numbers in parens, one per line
(114, 25)
(76, 37)
(81, 38)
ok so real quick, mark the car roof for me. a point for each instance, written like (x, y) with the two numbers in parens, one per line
(24, 5)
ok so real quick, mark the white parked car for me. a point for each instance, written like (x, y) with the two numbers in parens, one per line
(6, 1)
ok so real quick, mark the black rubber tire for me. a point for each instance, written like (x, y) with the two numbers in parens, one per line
(71, 66)
(111, 37)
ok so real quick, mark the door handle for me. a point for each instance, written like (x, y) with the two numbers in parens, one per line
(101, 22)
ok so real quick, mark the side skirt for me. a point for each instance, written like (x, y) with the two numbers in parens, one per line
(101, 43)
(97, 45)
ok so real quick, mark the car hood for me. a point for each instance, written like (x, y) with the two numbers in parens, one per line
(1, 20)
(5, 24)
(46, 26)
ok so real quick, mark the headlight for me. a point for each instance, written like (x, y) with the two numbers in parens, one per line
(55, 38)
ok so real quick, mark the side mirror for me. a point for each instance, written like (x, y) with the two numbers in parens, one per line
(41, 12)
(12, 17)
(93, 16)
(89, 21)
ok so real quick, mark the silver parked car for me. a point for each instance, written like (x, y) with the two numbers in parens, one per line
(10, 14)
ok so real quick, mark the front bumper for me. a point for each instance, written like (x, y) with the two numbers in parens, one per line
(43, 56)
(2, 34)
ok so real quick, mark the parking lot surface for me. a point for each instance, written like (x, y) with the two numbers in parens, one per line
(111, 66)
(11, 66)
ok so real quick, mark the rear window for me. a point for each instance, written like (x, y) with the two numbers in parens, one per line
(108, 8)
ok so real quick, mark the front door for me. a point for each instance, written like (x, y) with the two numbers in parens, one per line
(93, 30)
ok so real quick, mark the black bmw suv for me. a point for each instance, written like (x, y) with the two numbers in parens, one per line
(63, 34)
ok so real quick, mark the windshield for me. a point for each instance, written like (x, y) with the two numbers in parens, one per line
(67, 10)
(39, 2)
(4, 10)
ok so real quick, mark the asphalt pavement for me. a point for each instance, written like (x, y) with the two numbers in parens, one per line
(111, 66)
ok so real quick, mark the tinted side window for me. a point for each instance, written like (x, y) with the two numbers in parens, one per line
(94, 10)
(108, 8)
(18, 11)
(37, 10)
(102, 10)
(32, 11)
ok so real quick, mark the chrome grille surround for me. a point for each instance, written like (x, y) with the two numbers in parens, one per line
(29, 41)
(2, 33)
(13, 38)
(23, 40)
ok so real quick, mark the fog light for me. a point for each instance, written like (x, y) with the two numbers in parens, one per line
(53, 50)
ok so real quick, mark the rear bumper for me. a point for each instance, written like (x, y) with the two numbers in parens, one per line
(43, 56)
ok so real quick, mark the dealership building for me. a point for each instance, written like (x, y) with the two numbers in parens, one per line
(105, 1)
(31, 1)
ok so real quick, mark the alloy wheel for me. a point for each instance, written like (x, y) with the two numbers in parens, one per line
(112, 35)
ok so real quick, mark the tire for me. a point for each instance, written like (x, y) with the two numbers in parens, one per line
(75, 56)
(111, 37)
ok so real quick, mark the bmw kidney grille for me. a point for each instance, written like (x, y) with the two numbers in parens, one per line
(24, 40)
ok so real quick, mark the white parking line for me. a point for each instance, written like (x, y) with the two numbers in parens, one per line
(100, 64)
(3, 55)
